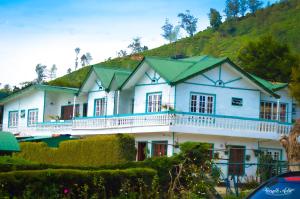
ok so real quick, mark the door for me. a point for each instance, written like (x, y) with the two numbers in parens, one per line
(67, 112)
(1, 116)
(236, 160)
(159, 148)
(84, 110)
(142, 147)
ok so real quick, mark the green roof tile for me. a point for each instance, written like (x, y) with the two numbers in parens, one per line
(8, 142)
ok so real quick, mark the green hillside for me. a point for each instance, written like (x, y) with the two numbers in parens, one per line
(282, 21)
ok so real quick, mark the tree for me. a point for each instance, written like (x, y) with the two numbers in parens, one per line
(295, 83)
(268, 59)
(6, 89)
(122, 53)
(85, 59)
(232, 8)
(170, 32)
(69, 70)
(215, 18)
(52, 72)
(136, 46)
(243, 7)
(41, 73)
(292, 147)
(254, 5)
(188, 22)
(77, 51)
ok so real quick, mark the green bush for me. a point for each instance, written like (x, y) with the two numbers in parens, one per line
(91, 151)
(62, 183)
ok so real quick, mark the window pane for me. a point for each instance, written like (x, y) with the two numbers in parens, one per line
(154, 103)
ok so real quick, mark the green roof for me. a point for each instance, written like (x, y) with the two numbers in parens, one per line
(106, 74)
(8, 142)
(177, 70)
(40, 87)
(274, 86)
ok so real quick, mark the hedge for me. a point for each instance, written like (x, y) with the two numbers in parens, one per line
(90, 151)
(67, 183)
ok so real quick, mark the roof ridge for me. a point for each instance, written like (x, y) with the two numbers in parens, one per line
(168, 59)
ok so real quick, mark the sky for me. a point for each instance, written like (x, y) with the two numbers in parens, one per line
(48, 31)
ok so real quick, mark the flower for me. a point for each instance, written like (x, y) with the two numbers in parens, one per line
(66, 191)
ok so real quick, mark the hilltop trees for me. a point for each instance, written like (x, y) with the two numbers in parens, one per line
(295, 83)
(215, 19)
(41, 73)
(170, 32)
(188, 22)
(254, 5)
(136, 46)
(268, 59)
(232, 8)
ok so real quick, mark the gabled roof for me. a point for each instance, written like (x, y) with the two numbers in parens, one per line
(106, 74)
(274, 86)
(8, 142)
(38, 87)
(178, 70)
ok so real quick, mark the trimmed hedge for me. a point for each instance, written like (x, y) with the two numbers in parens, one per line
(90, 151)
(60, 183)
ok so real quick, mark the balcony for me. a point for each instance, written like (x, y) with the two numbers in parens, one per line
(179, 122)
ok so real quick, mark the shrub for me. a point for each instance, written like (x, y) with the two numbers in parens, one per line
(91, 151)
(62, 183)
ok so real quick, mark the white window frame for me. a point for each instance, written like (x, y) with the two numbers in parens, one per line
(32, 117)
(13, 119)
(100, 106)
(202, 103)
(154, 102)
(271, 107)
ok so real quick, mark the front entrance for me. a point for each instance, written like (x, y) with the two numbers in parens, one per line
(67, 112)
(159, 148)
(142, 147)
(236, 160)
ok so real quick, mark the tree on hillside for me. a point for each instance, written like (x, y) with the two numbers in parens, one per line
(69, 70)
(254, 5)
(6, 89)
(86, 59)
(295, 83)
(215, 19)
(188, 22)
(243, 7)
(41, 73)
(170, 32)
(136, 46)
(52, 72)
(122, 53)
(232, 8)
(77, 51)
(268, 59)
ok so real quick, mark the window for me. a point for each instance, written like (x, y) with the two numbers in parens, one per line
(32, 117)
(200, 103)
(236, 101)
(268, 110)
(154, 102)
(100, 107)
(13, 119)
(274, 153)
(159, 148)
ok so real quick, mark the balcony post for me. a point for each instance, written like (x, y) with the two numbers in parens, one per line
(74, 106)
(278, 104)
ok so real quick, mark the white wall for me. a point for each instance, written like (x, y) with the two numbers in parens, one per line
(32, 100)
(100, 94)
(145, 85)
(219, 143)
(125, 103)
(239, 89)
(55, 100)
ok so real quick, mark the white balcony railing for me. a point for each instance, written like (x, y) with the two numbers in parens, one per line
(183, 119)
(174, 119)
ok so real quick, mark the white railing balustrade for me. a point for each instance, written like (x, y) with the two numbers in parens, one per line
(183, 119)
(213, 122)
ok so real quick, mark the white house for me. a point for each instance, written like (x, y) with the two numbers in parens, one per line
(164, 102)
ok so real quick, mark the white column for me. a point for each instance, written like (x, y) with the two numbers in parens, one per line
(74, 106)
(278, 104)
(118, 101)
